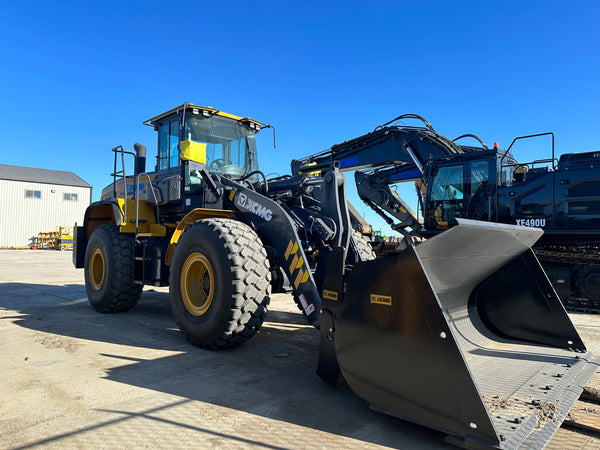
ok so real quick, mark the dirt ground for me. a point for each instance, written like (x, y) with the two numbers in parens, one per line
(72, 378)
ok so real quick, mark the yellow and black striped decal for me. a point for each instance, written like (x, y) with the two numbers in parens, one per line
(296, 263)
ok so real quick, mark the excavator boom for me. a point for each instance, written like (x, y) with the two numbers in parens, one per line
(394, 154)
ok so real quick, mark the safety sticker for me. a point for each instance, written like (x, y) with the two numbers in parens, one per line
(308, 309)
(381, 299)
(296, 263)
(330, 295)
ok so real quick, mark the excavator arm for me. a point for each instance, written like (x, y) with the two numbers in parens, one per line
(385, 156)
(383, 200)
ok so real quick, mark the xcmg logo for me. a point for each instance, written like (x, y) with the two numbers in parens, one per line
(406, 175)
(131, 187)
(348, 162)
(254, 207)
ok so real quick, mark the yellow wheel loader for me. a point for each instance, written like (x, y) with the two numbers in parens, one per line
(440, 334)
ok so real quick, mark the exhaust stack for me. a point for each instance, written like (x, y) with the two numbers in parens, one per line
(140, 158)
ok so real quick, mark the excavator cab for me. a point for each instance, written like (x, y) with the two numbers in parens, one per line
(446, 195)
(460, 188)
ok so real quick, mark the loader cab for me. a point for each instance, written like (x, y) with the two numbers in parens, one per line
(193, 138)
(461, 187)
(223, 142)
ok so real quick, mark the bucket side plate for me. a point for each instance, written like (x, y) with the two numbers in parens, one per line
(464, 334)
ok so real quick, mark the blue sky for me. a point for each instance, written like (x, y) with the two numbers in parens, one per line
(78, 78)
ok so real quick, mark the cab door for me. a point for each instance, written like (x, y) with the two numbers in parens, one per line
(481, 183)
(168, 146)
(446, 196)
(168, 181)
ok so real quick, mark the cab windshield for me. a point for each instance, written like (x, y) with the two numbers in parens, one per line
(230, 145)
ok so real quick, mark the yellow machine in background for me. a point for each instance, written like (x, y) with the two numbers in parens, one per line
(59, 239)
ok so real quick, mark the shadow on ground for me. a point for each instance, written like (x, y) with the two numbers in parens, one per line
(272, 375)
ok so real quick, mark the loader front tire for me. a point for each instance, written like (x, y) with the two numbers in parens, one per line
(219, 283)
(364, 248)
(108, 271)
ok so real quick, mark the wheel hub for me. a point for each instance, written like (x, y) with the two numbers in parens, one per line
(197, 284)
(97, 269)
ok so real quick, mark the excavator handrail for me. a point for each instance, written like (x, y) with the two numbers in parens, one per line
(548, 133)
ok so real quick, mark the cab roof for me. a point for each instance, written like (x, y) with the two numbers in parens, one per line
(206, 110)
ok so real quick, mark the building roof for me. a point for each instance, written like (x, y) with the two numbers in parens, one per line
(45, 176)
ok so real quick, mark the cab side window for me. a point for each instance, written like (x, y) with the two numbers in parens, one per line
(448, 183)
(168, 144)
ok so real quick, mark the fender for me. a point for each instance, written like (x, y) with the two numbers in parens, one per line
(190, 218)
(98, 213)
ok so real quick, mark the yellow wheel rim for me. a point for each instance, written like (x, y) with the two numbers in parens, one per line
(197, 284)
(97, 269)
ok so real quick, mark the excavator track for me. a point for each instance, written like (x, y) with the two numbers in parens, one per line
(584, 256)
(584, 305)
(579, 260)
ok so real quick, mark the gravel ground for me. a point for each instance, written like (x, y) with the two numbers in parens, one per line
(72, 378)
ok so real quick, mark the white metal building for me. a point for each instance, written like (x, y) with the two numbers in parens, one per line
(38, 200)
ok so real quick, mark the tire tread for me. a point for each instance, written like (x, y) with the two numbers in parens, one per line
(123, 292)
(251, 283)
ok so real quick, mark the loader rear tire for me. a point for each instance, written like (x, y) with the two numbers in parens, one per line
(108, 271)
(219, 283)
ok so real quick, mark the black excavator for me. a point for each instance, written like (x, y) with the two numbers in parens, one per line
(461, 333)
(560, 196)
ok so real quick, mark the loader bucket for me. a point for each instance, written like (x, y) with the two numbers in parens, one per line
(465, 334)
